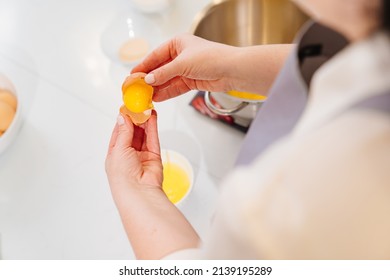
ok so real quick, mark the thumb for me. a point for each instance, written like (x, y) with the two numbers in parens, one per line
(125, 132)
(165, 73)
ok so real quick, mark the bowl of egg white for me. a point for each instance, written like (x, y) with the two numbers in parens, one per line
(10, 113)
(129, 38)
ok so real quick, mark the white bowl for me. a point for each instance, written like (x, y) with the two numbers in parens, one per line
(128, 27)
(10, 134)
(183, 162)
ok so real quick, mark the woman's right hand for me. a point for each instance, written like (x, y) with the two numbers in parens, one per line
(188, 62)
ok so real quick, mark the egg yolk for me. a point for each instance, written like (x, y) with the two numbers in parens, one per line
(246, 95)
(176, 182)
(137, 96)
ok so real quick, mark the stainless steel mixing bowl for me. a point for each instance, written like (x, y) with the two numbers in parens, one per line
(246, 23)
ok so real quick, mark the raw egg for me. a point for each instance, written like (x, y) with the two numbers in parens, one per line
(137, 98)
(178, 176)
(247, 95)
(176, 182)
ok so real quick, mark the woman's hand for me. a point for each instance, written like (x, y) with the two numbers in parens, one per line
(154, 226)
(133, 157)
(188, 62)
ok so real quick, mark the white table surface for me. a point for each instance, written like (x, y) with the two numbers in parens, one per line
(55, 201)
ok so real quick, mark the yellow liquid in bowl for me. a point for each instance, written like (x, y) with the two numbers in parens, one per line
(247, 95)
(176, 182)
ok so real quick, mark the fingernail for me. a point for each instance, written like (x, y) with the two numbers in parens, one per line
(149, 79)
(120, 120)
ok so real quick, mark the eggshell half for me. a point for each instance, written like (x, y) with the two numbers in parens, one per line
(132, 79)
(136, 118)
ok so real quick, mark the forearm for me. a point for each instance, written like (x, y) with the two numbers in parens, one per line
(154, 226)
(256, 67)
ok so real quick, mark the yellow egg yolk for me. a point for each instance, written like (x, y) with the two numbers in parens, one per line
(137, 97)
(176, 182)
(246, 95)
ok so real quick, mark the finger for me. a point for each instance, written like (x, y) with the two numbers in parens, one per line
(175, 87)
(165, 73)
(114, 136)
(161, 64)
(158, 57)
(138, 138)
(152, 139)
(125, 132)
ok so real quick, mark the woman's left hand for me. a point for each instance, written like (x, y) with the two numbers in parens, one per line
(133, 158)
(154, 226)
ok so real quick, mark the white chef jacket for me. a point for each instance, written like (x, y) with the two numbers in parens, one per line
(322, 191)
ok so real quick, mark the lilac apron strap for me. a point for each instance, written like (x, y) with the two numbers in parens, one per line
(287, 98)
(279, 114)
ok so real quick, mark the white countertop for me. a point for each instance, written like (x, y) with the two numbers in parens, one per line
(55, 201)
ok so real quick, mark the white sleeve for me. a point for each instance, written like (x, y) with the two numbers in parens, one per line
(323, 196)
(187, 254)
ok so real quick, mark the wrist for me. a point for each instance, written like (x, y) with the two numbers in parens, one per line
(131, 194)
